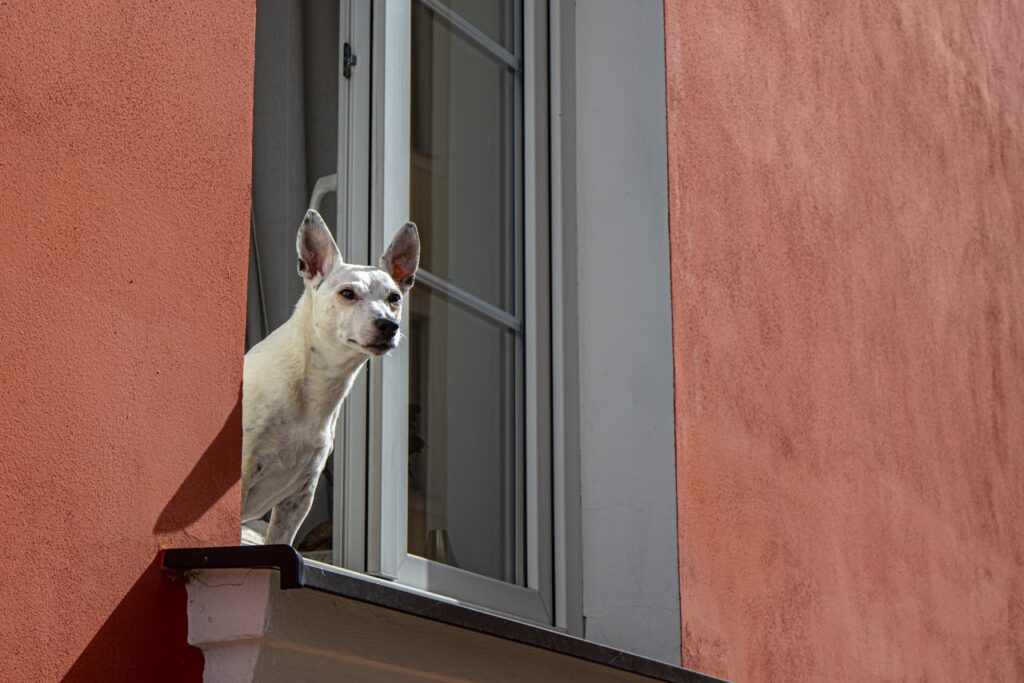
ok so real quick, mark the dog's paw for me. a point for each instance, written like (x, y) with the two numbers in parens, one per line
(254, 533)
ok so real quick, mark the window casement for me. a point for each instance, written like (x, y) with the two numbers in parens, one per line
(460, 504)
(441, 477)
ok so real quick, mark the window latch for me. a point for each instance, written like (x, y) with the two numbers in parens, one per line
(348, 61)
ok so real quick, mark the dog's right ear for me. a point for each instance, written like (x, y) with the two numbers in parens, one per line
(318, 252)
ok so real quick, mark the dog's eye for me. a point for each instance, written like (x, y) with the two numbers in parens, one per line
(394, 298)
(347, 294)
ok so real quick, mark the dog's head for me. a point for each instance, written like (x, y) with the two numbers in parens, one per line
(356, 307)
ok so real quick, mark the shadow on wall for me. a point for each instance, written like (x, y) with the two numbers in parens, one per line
(143, 639)
(213, 475)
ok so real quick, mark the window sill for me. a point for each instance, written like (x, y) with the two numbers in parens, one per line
(249, 628)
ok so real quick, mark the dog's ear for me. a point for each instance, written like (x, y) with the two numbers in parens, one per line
(402, 257)
(318, 253)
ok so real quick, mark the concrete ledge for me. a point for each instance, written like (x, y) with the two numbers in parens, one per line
(312, 619)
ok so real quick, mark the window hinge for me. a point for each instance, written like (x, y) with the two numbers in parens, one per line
(348, 61)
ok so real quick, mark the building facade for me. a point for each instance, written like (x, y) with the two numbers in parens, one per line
(846, 233)
(717, 360)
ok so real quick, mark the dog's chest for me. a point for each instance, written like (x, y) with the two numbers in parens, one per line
(292, 448)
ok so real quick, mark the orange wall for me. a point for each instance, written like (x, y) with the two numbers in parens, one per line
(124, 176)
(847, 230)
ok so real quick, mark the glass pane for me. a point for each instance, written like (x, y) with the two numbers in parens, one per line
(492, 17)
(462, 484)
(461, 165)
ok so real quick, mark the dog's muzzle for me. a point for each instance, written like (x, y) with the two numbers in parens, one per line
(386, 337)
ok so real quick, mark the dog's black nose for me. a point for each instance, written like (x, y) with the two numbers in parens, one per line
(387, 326)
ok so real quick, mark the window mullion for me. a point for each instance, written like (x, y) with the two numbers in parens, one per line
(473, 302)
(473, 34)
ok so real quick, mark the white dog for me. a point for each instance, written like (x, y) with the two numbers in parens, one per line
(296, 378)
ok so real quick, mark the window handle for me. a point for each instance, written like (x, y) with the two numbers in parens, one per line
(323, 187)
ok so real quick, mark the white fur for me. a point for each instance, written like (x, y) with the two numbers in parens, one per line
(296, 379)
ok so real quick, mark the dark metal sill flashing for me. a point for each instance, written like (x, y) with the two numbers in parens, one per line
(297, 573)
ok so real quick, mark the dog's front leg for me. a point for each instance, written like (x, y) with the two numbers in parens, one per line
(287, 516)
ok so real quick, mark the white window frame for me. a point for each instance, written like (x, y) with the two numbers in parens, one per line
(387, 511)
(370, 471)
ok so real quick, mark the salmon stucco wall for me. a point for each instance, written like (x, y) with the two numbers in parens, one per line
(124, 183)
(847, 235)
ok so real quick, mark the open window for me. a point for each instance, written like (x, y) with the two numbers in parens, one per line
(433, 111)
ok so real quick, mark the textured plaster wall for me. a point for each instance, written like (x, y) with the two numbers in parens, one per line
(124, 173)
(847, 228)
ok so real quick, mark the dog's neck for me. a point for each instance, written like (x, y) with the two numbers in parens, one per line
(328, 373)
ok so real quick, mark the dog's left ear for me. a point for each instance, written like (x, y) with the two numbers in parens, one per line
(402, 257)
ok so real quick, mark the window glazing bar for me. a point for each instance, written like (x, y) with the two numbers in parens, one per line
(470, 301)
(473, 34)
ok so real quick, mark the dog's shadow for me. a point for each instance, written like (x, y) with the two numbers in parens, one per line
(218, 469)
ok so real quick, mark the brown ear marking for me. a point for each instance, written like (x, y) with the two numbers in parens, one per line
(402, 257)
(398, 273)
